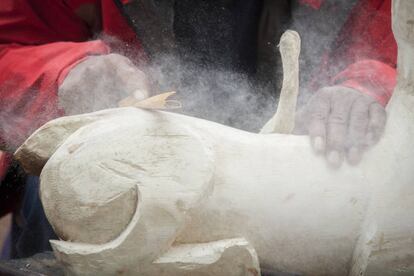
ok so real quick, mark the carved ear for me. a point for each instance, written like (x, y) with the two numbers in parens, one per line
(284, 119)
(42, 144)
(39, 147)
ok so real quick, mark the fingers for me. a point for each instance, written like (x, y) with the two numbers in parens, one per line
(101, 82)
(337, 127)
(319, 109)
(367, 123)
(358, 125)
(126, 77)
(129, 77)
(133, 81)
(301, 122)
(376, 125)
(343, 122)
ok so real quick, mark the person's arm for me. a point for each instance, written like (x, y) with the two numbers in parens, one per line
(29, 80)
(347, 115)
(43, 76)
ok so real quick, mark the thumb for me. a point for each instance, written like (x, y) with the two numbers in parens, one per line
(301, 122)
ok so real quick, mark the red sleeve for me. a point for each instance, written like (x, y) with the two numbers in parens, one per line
(369, 50)
(371, 77)
(29, 78)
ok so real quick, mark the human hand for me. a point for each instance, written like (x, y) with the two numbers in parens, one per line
(342, 122)
(100, 82)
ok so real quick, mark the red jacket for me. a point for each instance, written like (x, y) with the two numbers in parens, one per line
(365, 51)
(40, 40)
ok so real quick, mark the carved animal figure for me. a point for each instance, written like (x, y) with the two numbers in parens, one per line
(138, 192)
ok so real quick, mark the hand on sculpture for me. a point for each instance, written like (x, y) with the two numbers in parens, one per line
(342, 122)
(100, 82)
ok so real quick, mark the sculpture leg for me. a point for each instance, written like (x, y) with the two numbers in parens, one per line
(225, 257)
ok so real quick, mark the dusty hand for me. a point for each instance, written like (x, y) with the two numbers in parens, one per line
(100, 82)
(342, 122)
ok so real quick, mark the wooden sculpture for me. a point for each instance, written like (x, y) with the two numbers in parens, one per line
(140, 192)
